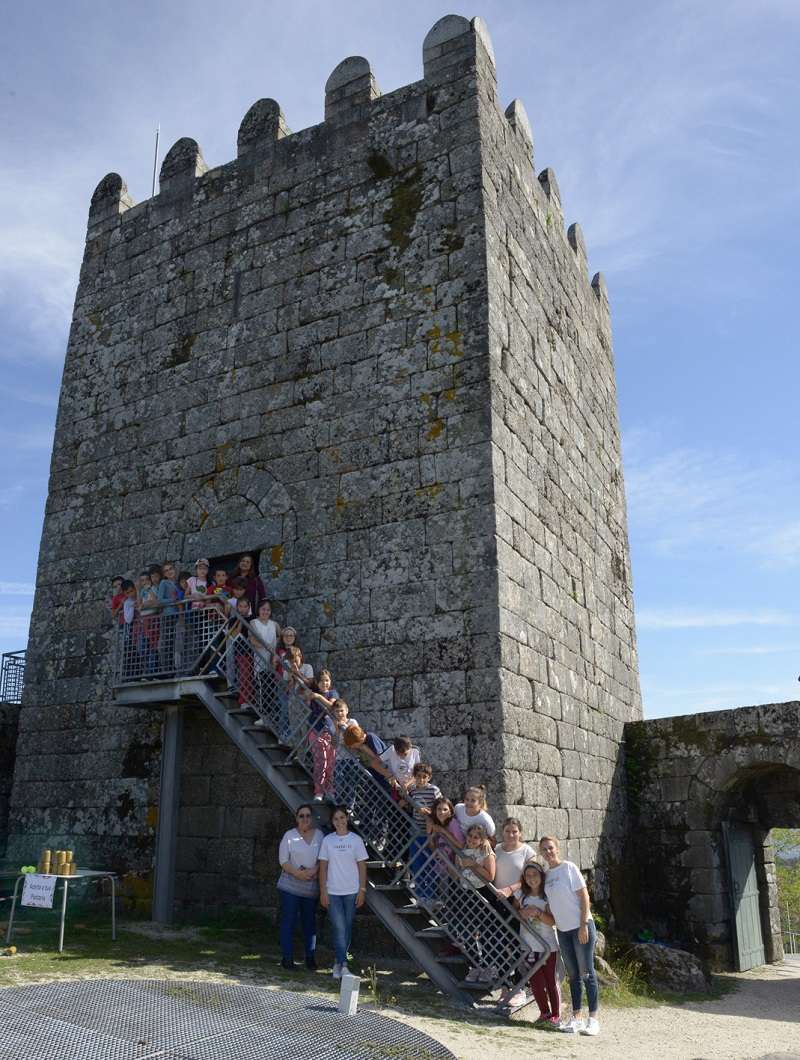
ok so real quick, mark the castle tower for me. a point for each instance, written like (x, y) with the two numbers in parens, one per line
(369, 352)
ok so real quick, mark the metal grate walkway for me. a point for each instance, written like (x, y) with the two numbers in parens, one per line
(176, 1020)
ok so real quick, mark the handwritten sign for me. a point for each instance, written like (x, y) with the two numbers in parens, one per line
(38, 890)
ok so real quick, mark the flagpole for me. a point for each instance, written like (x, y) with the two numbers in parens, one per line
(155, 157)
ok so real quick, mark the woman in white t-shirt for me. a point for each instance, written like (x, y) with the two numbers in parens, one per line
(568, 899)
(473, 811)
(342, 883)
(298, 884)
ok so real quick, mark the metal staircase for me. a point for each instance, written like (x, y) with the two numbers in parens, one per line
(443, 922)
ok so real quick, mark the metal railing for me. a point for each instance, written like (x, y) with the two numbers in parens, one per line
(12, 676)
(791, 942)
(207, 640)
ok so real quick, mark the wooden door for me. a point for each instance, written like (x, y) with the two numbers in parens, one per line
(745, 905)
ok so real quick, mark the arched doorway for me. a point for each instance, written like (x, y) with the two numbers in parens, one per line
(761, 798)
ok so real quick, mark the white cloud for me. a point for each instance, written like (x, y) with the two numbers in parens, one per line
(655, 618)
(682, 498)
(755, 649)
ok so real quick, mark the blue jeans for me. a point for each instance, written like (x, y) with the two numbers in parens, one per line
(423, 868)
(341, 910)
(292, 906)
(579, 962)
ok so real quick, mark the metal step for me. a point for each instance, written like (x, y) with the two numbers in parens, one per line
(299, 783)
(412, 910)
(451, 958)
(432, 933)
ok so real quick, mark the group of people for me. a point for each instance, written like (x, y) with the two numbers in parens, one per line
(226, 618)
(548, 894)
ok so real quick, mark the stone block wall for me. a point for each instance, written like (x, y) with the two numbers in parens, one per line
(686, 776)
(367, 350)
(568, 674)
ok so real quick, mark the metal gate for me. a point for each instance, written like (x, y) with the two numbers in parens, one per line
(745, 904)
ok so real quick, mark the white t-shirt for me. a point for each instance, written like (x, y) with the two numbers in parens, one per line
(300, 853)
(481, 817)
(560, 886)
(343, 852)
(402, 769)
(267, 632)
(510, 864)
(547, 933)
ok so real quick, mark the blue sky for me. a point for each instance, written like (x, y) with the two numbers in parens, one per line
(673, 129)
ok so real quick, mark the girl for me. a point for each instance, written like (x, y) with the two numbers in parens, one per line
(320, 735)
(256, 593)
(264, 633)
(544, 982)
(295, 677)
(512, 856)
(477, 863)
(473, 811)
(298, 855)
(240, 654)
(568, 898)
(149, 634)
(342, 884)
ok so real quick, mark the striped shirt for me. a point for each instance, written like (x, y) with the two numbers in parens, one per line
(420, 797)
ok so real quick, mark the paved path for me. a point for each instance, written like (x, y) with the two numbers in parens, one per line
(760, 1020)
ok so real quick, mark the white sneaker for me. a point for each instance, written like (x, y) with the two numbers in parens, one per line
(319, 798)
(337, 971)
(592, 1026)
(571, 1026)
(345, 969)
(260, 723)
(517, 1000)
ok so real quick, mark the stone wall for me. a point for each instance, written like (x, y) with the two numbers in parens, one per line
(368, 350)
(9, 714)
(686, 776)
(568, 678)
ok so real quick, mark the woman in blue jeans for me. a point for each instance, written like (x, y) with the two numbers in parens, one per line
(342, 883)
(568, 899)
(299, 887)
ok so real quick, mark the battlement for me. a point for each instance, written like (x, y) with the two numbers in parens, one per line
(357, 116)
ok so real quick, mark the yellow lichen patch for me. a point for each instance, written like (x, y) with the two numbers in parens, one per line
(335, 455)
(341, 503)
(327, 607)
(276, 559)
(435, 429)
(430, 491)
(152, 816)
(456, 341)
(425, 399)
(449, 395)
(434, 336)
(203, 517)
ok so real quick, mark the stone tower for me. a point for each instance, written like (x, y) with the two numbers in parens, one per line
(370, 352)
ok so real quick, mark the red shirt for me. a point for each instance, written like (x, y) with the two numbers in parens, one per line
(117, 602)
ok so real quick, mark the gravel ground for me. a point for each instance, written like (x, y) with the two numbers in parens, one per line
(760, 1020)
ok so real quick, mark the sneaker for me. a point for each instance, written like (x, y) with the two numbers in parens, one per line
(319, 798)
(554, 1022)
(337, 971)
(345, 969)
(287, 963)
(473, 976)
(260, 723)
(571, 1026)
(592, 1026)
(518, 999)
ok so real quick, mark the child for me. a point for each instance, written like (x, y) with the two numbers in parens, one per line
(287, 639)
(421, 795)
(130, 654)
(402, 758)
(148, 610)
(239, 654)
(264, 633)
(320, 735)
(117, 599)
(167, 592)
(544, 982)
(238, 591)
(197, 587)
(473, 811)
(183, 584)
(477, 863)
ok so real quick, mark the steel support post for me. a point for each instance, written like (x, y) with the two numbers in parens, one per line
(170, 797)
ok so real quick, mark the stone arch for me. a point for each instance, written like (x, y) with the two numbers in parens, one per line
(243, 510)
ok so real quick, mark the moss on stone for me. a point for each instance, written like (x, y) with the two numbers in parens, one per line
(401, 214)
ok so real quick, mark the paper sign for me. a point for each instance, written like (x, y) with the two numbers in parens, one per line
(38, 890)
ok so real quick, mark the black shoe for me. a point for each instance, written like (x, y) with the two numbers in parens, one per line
(311, 963)
(287, 963)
